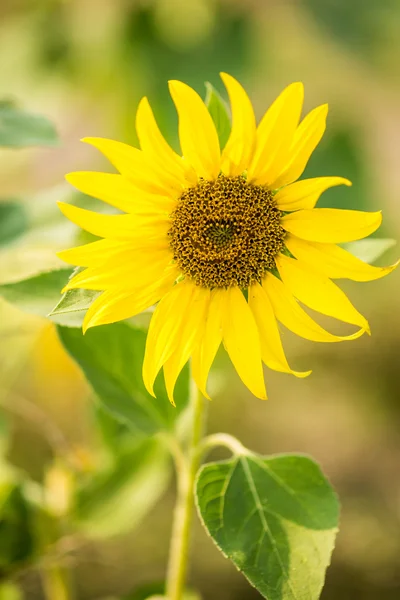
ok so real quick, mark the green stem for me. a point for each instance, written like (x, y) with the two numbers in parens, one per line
(186, 474)
(222, 439)
(55, 581)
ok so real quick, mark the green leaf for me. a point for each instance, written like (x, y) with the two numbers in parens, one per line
(371, 249)
(37, 294)
(13, 221)
(111, 357)
(122, 494)
(72, 307)
(219, 112)
(19, 129)
(276, 518)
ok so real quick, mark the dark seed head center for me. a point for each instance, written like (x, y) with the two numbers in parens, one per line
(226, 232)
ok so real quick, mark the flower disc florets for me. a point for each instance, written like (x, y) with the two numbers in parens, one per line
(226, 232)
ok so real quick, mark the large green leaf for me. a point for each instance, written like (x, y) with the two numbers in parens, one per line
(218, 110)
(19, 129)
(276, 518)
(111, 357)
(120, 495)
(13, 221)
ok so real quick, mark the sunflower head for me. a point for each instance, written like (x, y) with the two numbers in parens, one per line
(226, 233)
(225, 241)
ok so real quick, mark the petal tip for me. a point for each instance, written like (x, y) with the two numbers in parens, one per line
(302, 374)
(63, 206)
(171, 399)
(174, 85)
(226, 77)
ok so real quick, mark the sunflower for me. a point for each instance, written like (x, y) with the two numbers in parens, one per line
(225, 241)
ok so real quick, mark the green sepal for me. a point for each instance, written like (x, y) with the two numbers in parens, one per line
(370, 249)
(219, 112)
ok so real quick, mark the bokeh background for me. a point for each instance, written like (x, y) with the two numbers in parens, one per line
(86, 64)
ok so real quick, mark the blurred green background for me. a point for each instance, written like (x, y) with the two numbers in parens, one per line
(85, 64)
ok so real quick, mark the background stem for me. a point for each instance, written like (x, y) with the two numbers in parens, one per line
(55, 581)
(186, 473)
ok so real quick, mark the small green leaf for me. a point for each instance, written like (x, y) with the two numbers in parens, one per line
(19, 129)
(111, 357)
(37, 294)
(371, 249)
(13, 221)
(71, 308)
(276, 518)
(123, 493)
(219, 112)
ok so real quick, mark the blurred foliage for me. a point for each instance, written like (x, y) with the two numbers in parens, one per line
(13, 221)
(363, 25)
(16, 528)
(19, 129)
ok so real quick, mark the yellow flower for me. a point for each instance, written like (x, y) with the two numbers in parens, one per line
(222, 239)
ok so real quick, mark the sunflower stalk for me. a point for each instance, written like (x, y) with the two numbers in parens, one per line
(186, 471)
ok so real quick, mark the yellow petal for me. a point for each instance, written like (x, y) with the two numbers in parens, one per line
(239, 148)
(305, 194)
(289, 312)
(130, 271)
(91, 254)
(333, 261)
(271, 346)
(153, 143)
(197, 133)
(116, 305)
(189, 335)
(242, 341)
(205, 352)
(119, 192)
(104, 251)
(331, 225)
(118, 227)
(165, 328)
(306, 138)
(275, 135)
(318, 292)
(138, 167)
